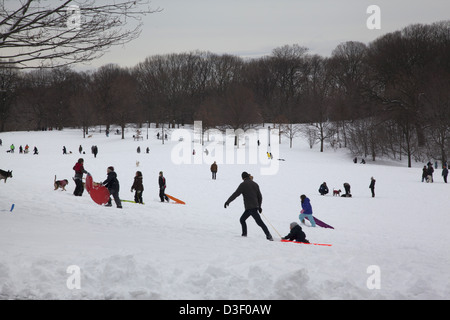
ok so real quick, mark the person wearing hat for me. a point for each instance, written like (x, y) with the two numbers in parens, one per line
(296, 233)
(252, 203)
(112, 184)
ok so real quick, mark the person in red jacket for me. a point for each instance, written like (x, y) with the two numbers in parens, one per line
(79, 171)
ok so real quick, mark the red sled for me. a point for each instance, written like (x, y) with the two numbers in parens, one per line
(98, 193)
(314, 244)
(89, 183)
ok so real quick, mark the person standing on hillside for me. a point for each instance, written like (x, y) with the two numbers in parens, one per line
(138, 186)
(78, 178)
(372, 186)
(113, 186)
(445, 173)
(162, 187)
(252, 203)
(214, 170)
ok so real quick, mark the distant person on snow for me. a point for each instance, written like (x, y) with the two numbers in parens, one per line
(162, 187)
(138, 186)
(306, 211)
(347, 190)
(372, 186)
(424, 173)
(214, 170)
(445, 173)
(112, 184)
(296, 233)
(252, 203)
(323, 189)
(78, 178)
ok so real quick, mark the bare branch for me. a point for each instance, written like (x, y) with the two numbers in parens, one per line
(38, 34)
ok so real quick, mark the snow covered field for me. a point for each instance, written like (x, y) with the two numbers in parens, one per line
(393, 246)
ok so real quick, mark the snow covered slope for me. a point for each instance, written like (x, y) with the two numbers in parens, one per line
(393, 246)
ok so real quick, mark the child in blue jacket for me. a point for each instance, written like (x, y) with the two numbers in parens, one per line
(306, 211)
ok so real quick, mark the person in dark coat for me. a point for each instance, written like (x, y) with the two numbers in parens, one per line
(214, 170)
(252, 203)
(138, 186)
(296, 234)
(112, 184)
(430, 171)
(372, 186)
(424, 173)
(445, 173)
(162, 187)
(347, 191)
(78, 178)
(323, 189)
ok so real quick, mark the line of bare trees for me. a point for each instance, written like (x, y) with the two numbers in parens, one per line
(390, 97)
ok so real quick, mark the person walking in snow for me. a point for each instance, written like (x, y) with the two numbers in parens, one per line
(372, 186)
(252, 203)
(296, 233)
(78, 178)
(162, 187)
(113, 186)
(306, 211)
(138, 186)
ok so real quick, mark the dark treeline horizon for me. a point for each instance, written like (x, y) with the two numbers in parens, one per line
(390, 97)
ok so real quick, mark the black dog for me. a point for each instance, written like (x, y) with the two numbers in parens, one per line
(5, 175)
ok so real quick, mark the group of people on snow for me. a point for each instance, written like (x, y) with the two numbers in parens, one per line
(323, 189)
(428, 171)
(25, 150)
(251, 193)
(113, 186)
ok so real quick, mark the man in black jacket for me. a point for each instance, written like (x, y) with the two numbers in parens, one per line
(252, 203)
(162, 187)
(112, 184)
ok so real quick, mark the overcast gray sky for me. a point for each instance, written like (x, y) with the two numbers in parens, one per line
(255, 27)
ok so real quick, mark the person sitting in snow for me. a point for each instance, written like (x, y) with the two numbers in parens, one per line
(323, 189)
(296, 234)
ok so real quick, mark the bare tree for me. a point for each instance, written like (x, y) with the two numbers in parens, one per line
(36, 34)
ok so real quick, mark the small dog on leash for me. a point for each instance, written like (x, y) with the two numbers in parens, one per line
(60, 184)
(5, 175)
(336, 192)
(137, 163)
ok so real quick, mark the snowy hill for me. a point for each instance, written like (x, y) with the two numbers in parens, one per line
(393, 246)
